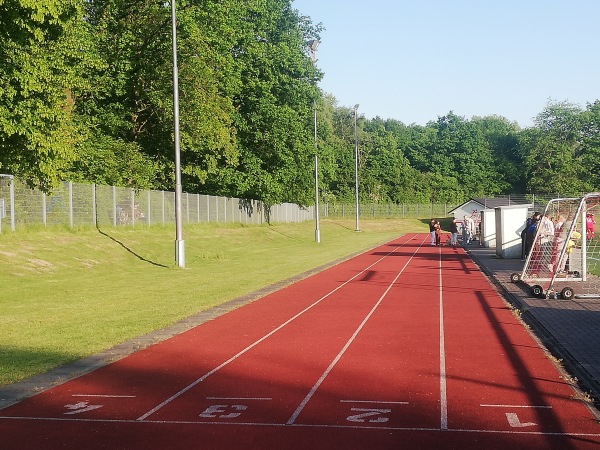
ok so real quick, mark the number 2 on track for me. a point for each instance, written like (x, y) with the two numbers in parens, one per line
(369, 412)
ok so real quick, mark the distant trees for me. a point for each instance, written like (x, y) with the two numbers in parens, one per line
(561, 152)
(86, 95)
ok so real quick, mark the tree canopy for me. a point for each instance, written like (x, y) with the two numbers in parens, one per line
(86, 94)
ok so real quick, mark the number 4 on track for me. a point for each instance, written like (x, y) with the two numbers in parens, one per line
(221, 411)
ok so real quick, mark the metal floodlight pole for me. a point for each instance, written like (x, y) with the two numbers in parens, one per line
(312, 45)
(317, 230)
(179, 243)
(356, 163)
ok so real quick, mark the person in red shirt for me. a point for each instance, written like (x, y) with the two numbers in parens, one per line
(589, 226)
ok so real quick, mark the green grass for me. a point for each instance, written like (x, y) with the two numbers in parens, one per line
(65, 295)
(593, 257)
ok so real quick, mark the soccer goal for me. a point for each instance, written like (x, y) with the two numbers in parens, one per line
(564, 255)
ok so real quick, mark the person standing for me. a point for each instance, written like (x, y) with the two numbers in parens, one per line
(454, 234)
(541, 256)
(438, 233)
(530, 232)
(560, 233)
(589, 226)
(469, 229)
(432, 224)
(547, 234)
(524, 243)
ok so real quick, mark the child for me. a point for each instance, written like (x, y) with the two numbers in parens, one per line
(589, 226)
(438, 233)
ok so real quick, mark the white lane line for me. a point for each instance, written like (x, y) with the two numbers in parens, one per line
(239, 398)
(251, 346)
(103, 395)
(518, 406)
(304, 402)
(318, 426)
(443, 394)
(374, 402)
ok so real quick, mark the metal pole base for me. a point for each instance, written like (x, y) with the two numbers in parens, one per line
(180, 253)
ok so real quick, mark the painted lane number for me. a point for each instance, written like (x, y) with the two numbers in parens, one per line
(514, 422)
(78, 408)
(364, 413)
(223, 411)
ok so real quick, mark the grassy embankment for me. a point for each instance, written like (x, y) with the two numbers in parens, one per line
(65, 295)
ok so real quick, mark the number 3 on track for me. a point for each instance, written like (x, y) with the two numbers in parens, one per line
(369, 412)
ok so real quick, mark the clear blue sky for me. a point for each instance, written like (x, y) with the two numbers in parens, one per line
(415, 60)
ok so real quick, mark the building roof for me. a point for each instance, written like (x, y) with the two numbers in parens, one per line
(488, 203)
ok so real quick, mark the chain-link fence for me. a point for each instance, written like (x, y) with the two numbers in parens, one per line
(429, 210)
(76, 204)
(386, 210)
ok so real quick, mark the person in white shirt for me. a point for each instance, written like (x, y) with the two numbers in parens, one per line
(469, 229)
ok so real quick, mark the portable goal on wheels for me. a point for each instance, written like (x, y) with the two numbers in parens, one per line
(564, 258)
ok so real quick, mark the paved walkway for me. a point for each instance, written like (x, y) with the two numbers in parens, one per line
(570, 329)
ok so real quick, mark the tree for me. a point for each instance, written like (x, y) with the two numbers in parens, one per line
(501, 140)
(342, 182)
(553, 151)
(43, 56)
(387, 175)
(275, 102)
(590, 147)
(132, 99)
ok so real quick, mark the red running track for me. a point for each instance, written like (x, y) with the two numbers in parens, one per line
(405, 346)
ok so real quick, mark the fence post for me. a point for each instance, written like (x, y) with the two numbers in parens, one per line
(12, 204)
(71, 203)
(114, 189)
(94, 212)
(187, 206)
(148, 209)
(132, 193)
(207, 208)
